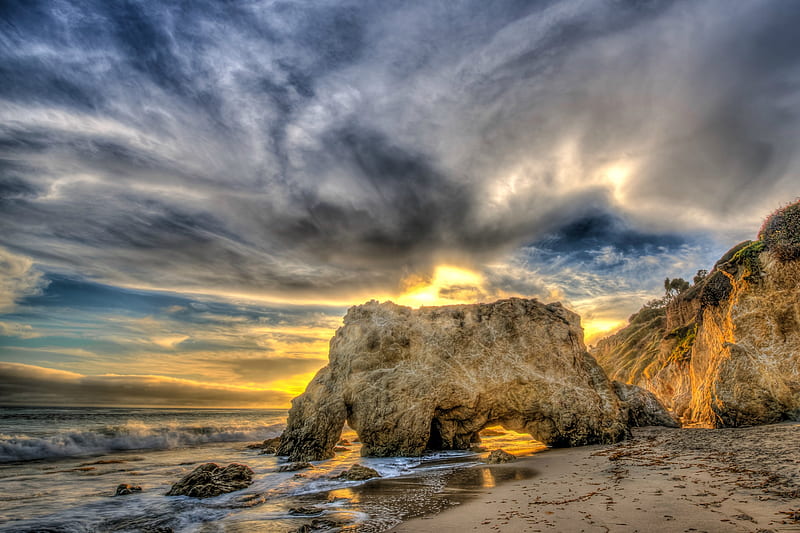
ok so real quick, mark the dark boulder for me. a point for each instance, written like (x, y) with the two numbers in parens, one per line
(500, 456)
(293, 467)
(268, 446)
(644, 409)
(124, 489)
(358, 473)
(209, 480)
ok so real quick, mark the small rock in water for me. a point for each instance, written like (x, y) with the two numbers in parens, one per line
(340, 449)
(500, 456)
(293, 467)
(209, 480)
(268, 446)
(358, 473)
(124, 489)
(343, 442)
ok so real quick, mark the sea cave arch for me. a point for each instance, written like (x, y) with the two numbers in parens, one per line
(407, 379)
(449, 434)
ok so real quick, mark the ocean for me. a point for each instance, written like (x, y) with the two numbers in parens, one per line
(60, 466)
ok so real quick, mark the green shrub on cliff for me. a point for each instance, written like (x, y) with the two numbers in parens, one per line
(781, 232)
(748, 257)
(685, 337)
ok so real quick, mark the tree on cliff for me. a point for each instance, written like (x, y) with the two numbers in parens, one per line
(675, 286)
(700, 276)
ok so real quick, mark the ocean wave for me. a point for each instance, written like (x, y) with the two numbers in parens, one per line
(130, 436)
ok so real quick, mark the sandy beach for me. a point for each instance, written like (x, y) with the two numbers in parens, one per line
(681, 480)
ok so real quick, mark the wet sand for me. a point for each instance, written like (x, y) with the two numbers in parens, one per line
(664, 480)
(386, 502)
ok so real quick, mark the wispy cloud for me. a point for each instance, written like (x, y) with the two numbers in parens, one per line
(320, 151)
(89, 328)
(22, 331)
(18, 279)
(33, 385)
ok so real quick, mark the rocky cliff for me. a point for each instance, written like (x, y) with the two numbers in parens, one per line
(406, 380)
(726, 352)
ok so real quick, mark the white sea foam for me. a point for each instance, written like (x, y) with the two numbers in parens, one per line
(129, 436)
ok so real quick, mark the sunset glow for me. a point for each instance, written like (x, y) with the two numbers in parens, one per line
(449, 285)
(200, 193)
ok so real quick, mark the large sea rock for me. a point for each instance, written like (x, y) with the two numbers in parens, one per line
(406, 380)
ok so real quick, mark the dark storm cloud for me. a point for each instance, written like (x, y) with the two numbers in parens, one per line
(310, 149)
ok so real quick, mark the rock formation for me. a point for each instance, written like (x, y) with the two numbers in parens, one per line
(124, 489)
(500, 456)
(644, 409)
(209, 480)
(726, 352)
(406, 380)
(266, 447)
(358, 472)
(294, 467)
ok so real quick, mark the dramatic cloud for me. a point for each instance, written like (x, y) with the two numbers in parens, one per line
(207, 186)
(316, 150)
(33, 385)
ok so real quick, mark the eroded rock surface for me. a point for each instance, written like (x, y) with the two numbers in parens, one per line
(294, 467)
(644, 409)
(406, 380)
(358, 473)
(209, 480)
(266, 447)
(124, 489)
(500, 456)
(726, 352)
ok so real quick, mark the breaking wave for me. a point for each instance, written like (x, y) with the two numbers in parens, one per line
(129, 436)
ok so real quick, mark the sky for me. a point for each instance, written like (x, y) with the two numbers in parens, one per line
(193, 193)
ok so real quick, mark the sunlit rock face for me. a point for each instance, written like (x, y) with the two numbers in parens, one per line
(726, 352)
(406, 380)
(745, 364)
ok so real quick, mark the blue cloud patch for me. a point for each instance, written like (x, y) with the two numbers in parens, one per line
(584, 238)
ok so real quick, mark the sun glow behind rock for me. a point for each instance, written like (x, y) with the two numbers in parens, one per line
(449, 285)
(594, 330)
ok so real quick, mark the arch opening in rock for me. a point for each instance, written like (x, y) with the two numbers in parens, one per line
(435, 436)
